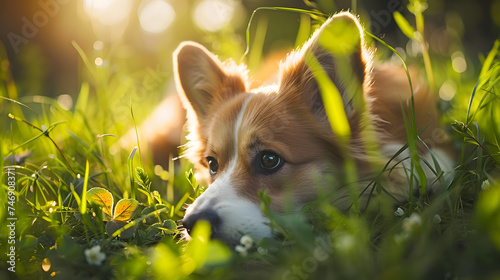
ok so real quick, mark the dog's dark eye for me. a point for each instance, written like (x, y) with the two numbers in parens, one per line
(270, 162)
(213, 165)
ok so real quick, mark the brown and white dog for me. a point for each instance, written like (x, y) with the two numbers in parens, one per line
(278, 138)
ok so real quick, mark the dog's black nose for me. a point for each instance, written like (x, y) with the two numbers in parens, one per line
(208, 215)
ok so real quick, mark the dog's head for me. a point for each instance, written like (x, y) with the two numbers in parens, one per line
(276, 138)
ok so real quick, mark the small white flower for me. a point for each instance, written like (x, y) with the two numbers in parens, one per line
(399, 212)
(94, 255)
(412, 223)
(242, 250)
(486, 184)
(436, 219)
(246, 241)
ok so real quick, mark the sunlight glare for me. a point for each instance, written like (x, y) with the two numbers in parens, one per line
(155, 15)
(448, 90)
(65, 101)
(108, 12)
(98, 45)
(213, 15)
(98, 61)
(46, 264)
(458, 62)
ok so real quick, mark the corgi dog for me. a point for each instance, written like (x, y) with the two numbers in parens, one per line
(279, 138)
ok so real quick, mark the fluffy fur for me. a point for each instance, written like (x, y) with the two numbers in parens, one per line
(237, 127)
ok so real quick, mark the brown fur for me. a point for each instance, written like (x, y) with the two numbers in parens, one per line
(390, 92)
(290, 119)
(237, 127)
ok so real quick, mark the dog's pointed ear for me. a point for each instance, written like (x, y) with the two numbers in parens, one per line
(338, 47)
(203, 81)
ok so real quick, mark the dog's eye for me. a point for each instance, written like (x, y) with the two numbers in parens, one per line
(270, 162)
(213, 165)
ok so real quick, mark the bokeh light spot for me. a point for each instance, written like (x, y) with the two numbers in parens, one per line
(458, 62)
(155, 16)
(65, 101)
(46, 264)
(108, 12)
(448, 90)
(98, 61)
(213, 15)
(98, 45)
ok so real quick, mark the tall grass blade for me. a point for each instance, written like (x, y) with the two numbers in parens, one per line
(136, 132)
(131, 173)
(85, 59)
(83, 205)
(411, 128)
(404, 25)
(19, 103)
(332, 100)
(313, 14)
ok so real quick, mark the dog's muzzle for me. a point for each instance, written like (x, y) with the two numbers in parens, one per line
(208, 215)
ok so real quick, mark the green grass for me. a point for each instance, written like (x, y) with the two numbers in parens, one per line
(453, 234)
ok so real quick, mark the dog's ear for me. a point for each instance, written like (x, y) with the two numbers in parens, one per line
(338, 47)
(203, 81)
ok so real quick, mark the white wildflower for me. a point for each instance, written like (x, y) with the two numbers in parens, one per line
(436, 219)
(486, 184)
(241, 249)
(412, 223)
(399, 212)
(246, 241)
(94, 255)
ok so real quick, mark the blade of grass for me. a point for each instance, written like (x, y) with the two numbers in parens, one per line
(403, 24)
(85, 59)
(170, 185)
(473, 94)
(19, 103)
(304, 30)
(489, 59)
(483, 77)
(258, 43)
(411, 128)
(83, 205)
(83, 97)
(313, 14)
(131, 173)
(136, 133)
(43, 133)
(332, 100)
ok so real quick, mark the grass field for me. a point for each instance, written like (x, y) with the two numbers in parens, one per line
(75, 206)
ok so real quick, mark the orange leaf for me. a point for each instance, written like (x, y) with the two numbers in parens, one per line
(125, 209)
(101, 197)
